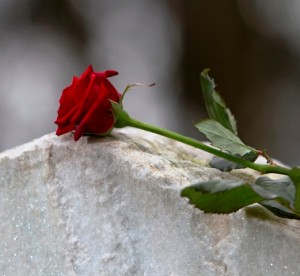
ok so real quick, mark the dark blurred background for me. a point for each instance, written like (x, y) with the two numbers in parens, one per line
(251, 47)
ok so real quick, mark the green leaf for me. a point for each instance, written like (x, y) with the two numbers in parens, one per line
(226, 166)
(280, 195)
(223, 138)
(279, 210)
(221, 196)
(295, 176)
(226, 196)
(275, 188)
(215, 105)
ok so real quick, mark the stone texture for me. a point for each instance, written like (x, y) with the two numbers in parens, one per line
(111, 206)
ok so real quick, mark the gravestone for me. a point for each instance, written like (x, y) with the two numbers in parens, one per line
(112, 206)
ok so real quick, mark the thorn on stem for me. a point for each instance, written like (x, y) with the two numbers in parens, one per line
(266, 156)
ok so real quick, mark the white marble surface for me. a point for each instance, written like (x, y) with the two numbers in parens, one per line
(112, 207)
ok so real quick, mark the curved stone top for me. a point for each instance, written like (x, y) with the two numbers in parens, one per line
(111, 206)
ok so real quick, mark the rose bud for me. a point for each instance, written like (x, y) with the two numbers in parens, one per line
(85, 105)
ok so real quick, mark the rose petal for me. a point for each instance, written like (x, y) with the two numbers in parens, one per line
(106, 74)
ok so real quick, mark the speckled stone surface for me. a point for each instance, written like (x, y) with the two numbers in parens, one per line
(111, 206)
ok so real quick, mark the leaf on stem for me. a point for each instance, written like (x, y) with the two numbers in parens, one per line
(221, 196)
(215, 105)
(295, 176)
(227, 196)
(226, 166)
(271, 188)
(222, 130)
(279, 194)
(223, 138)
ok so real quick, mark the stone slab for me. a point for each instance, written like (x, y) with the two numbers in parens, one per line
(111, 206)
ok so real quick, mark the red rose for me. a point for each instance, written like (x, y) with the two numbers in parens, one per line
(85, 106)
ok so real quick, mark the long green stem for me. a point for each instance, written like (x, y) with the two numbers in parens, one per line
(195, 143)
